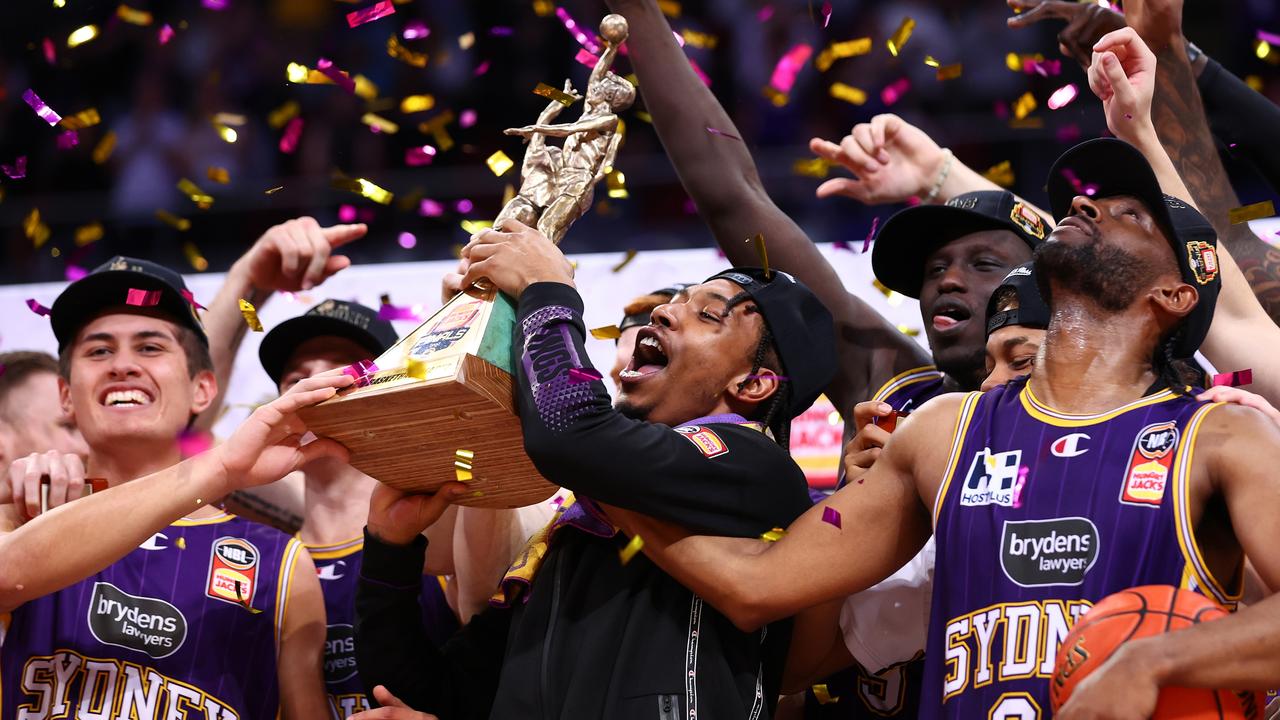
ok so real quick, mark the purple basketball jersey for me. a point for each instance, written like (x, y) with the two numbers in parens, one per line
(186, 625)
(339, 569)
(1041, 515)
(908, 391)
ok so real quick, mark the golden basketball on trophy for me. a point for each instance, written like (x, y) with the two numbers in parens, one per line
(439, 405)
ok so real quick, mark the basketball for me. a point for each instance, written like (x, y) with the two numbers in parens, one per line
(1142, 612)
(614, 29)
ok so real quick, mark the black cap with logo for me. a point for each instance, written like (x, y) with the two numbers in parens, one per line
(331, 318)
(1030, 310)
(908, 238)
(1106, 167)
(802, 328)
(108, 286)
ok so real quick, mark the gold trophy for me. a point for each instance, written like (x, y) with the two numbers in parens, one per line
(439, 405)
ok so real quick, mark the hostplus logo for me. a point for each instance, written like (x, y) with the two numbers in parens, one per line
(992, 479)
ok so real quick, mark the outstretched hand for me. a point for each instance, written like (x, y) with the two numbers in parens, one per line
(890, 158)
(1123, 76)
(1086, 23)
(393, 708)
(298, 254)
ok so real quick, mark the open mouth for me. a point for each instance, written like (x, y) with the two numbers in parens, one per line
(126, 398)
(1077, 224)
(949, 315)
(649, 358)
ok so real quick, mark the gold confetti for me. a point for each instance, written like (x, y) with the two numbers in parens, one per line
(823, 695)
(227, 118)
(697, 39)
(632, 547)
(931, 61)
(250, 315)
(900, 36)
(773, 535)
(644, 116)
(82, 35)
(474, 226)
(762, 253)
(81, 120)
(133, 16)
(1027, 123)
(841, 50)
(606, 332)
(273, 190)
(398, 51)
(299, 73)
(415, 368)
(86, 234)
(181, 543)
(1254, 82)
(670, 8)
(283, 114)
(499, 163)
(380, 124)
(365, 89)
(551, 93)
(463, 464)
(104, 148)
(1023, 106)
(950, 72)
(848, 93)
(1251, 212)
(543, 8)
(417, 103)
(436, 127)
(909, 331)
(1001, 174)
(35, 229)
(631, 255)
(218, 174)
(891, 296)
(202, 199)
(811, 167)
(616, 183)
(197, 261)
(168, 218)
(466, 40)
(363, 187)
(228, 134)
(1016, 62)
(776, 96)
(508, 193)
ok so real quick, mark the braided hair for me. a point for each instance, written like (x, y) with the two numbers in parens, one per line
(1171, 372)
(769, 413)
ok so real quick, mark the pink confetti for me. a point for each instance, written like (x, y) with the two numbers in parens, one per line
(481, 69)
(339, 78)
(1234, 379)
(831, 516)
(464, 206)
(50, 51)
(871, 235)
(74, 272)
(826, 14)
(371, 13)
(586, 57)
(193, 442)
(1043, 68)
(1089, 189)
(361, 371)
(764, 13)
(500, 31)
(1068, 133)
(142, 298)
(1062, 96)
(703, 76)
(583, 375)
(894, 91)
(67, 140)
(422, 155)
(1269, 38)
(191, 299)
(583, 38)
(415, 30)
(166, 33)
(37, 308)
(215, 4)
(407, 240)
(17, 170)
(430, 208)
(1019, 485)
(721, 133)
(42, 109)
(784, 73)
(387, 311)
(292, 133)
(347, 213)
(466, 118)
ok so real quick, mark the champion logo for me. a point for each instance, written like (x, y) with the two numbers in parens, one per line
(331, 572)
(153, 542)
(1069, 446)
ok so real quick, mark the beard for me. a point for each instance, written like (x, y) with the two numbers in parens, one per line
(1105, 274)
(631, 410)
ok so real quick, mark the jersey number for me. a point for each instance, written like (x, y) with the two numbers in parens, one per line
(1015, 706)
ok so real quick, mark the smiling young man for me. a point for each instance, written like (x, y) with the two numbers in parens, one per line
(589, 628)
(147, 601)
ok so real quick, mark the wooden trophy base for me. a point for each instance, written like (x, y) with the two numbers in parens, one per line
(443, 388)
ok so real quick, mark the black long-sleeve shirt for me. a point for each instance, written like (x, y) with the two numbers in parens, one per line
(1242, 120)
(596, 638)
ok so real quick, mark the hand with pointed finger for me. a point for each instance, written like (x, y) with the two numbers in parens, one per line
(891, 160)
(392, 708)
(66, 481)
(397, 517)
(514, 257)
(1123, 76)
(297, 255)
(864, 447)
(1086, 23)
(268, 444)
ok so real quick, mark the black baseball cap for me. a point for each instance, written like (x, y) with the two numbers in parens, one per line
(898, 256)
(642, 318)
(1032, 311)
(1106, 167)
(802, 328)
(331, 318)
(108, 286)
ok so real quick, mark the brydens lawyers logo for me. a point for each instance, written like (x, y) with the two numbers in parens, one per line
(339, 654)
(992, 479)
(1149, 464)
(233, 571)
(150, 626)
(1069, 446)
(1060, 551)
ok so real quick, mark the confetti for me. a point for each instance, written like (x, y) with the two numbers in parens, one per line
(283, 114)
(788, 66)
(826, 14)
(407, 240)
(1251, 212)
(630, 255)
(900, 36)
(17, 170)
(467, 118)
(102, 151)
(364, 188)
(67, 140)
(632, 547)
(1267, 37)
(360, 371)
(218, 175)
(841, 50)
(273, 190)
(82, 35)
(82, 120)
(848, 93)
(50, 51)
(371, 13)
(586, 58)
(1020, 63)
(422, 155)
(499, 163)
(215, 4)
(1062, 96)
(244, 603)
(37, 308)
(823, 695)
(463, 464)
(250, 314)
(703, 41)
(1233, 379)
(1001, 174)
(722, 133)
(436, 127)
(1037, 65)
(292, 133)
(42, 109)
(88, 234)
(132, 16)
(415, 368)
(773, 535)
(583, 375)
(950, 72)
(430, 208)
(227, 133)
(1019, 484)
(466, 40)
(871, 234)
(202, 199)
(379, 124)
(702, 75)
(481, 69)
(894, 91)
(606, 332)
(191, 299)
(616, 183)
(326, 68)
(192, 253)
(1023, 106)
(387, 311)
(583, 38)
(168, 218)
(166, 34)
(142, 298)
(35, 229)
(761, 253)
(415, 30)
(891, 296)
(831, 516)
(417, 103)
(670, 8)
(474, 226)
(398, 51)
(551, 93)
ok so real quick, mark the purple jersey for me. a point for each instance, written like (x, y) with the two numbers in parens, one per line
(186, 625)
(908, 391)
(339, 569)
(1040, 515)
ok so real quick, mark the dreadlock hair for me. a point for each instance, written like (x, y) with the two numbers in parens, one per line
(1171, 372)
(766, 355)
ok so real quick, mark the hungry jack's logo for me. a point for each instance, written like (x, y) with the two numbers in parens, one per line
(233, 571)
(1149, 464)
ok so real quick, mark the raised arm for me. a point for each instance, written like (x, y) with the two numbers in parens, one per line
(720, 176)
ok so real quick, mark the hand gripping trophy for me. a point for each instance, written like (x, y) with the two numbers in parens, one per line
(558, 182)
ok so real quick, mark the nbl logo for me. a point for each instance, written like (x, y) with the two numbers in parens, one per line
(992, 479)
